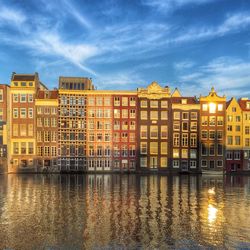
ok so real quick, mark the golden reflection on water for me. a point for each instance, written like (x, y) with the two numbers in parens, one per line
(118, 211)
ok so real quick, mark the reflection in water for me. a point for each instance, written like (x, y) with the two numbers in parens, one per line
(132, 211)
(212, 213)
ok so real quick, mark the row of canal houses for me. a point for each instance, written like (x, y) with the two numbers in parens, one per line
(77, 128)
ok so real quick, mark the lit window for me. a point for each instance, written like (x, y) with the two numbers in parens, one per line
(220, 107)
(204, 107)
(212, 108)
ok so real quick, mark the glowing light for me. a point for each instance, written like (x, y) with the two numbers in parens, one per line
(212, 213)
(211, 191)
(212, 108)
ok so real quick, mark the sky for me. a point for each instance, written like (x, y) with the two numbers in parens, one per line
(189, 44)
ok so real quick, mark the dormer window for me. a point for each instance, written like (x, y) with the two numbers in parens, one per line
(183, 101)
(23, 84)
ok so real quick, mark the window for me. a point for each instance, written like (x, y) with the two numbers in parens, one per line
(22, 97)
(204, 134)
(219, 134)
(204, 120)
(229, 140)
(247, 130)
(15, 148)
(184, 140)
(144, 115)
(233, 109)
(30, 130)
(164, 148)
(23, 131)
(46, 122)
(116, 125)
(91, 101)
(132, 101)
(212, 108)
(107, 101)
(117, 113)
(15, 113)
(164, 132)
(184, 153)
(184, 116)
(153, 132)
(99, 101)
(204, 107)
(237, 128)
(211, 120)
(164, 115)
(143, 148)
(176, 140)
(30, 148)
(46, 136)
(164, 104)
(15, 129)
(211, 149)
(154, 115)
(177, 115)
(164, 162)
(194, 115)
(117, 101)
(220, 149)
(124, 101)
(30, 112)
(175, 164)
(247, 142)
(124, 125)
(143, 162)
(23, 148)
(220, 107)
(220, 120)
(184, 126)
(211, 134)
(144, 104)
(229, 155)
(204, 149)
(53, 122)
(124, 113)
(23, 113)
(154, 148)
(39, 122)
(144, 132)
(193, 140)
(193, 153)
(192, 164)
(237, 118)
(229, 128)
(229, 118)
(176, 153)
(132, 125)
(132, 113)
(204, 163)
(176, 126)
(220, 163)
(193, 126)
(15, 97)
(237, 140)
(30, 97)
(154, 104)
(211, 164)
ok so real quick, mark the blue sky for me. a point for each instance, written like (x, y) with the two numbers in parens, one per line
(190, 44)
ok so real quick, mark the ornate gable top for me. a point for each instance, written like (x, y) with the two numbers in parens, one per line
(154, 91)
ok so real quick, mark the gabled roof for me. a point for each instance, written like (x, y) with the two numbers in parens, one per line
(243, 104)
(213, 96)
(176, 93)
(232, 102)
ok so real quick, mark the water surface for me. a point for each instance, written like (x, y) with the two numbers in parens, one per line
(124, 211)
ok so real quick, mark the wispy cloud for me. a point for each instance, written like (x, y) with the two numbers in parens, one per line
(171, 5)
(228, 74)
(12, 17)
(186, 64)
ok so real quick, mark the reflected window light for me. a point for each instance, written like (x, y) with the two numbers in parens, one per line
(212, 213)
(211, 191)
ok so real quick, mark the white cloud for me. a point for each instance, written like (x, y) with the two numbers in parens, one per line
(11, 17)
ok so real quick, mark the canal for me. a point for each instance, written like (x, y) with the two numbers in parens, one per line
(124, 212)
